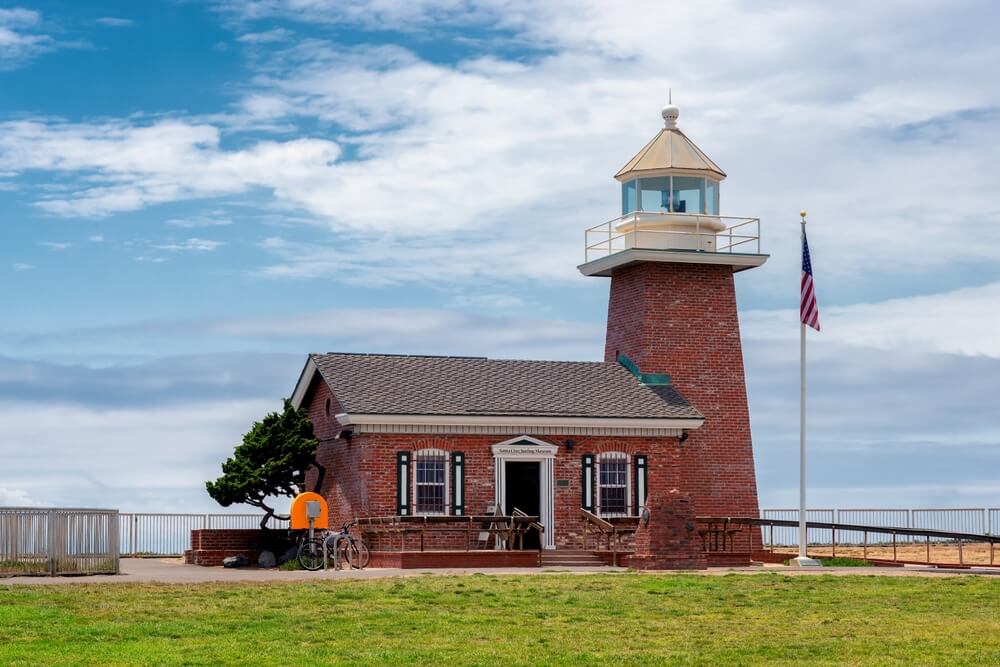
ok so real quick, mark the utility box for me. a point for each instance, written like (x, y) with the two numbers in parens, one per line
(309, 508)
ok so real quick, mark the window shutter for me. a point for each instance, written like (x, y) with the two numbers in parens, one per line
(457, 483)
(403, 483)
(641, 481)
(587, 482)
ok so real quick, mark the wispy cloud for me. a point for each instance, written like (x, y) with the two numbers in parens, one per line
(200, 221)
(191, 245)
(21, 266)
(266, 37)
(96, 238)
(19, 36)
(115, 22)
(55, 245)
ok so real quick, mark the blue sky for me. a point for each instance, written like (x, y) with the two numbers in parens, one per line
(193, 195)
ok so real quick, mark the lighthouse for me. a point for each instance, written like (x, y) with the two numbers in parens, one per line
(672, 256)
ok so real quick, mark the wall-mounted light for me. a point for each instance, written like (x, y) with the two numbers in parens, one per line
(346, 435)
(644, 515)
(683, 437)
(569, 445)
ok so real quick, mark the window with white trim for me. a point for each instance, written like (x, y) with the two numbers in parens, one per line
(614, 485)
(430, 482)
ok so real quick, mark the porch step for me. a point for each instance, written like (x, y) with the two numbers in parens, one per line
(570, 558)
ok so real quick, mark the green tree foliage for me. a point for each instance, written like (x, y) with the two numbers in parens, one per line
(272, 461)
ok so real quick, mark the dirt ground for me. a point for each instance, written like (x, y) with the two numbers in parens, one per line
(947, 554)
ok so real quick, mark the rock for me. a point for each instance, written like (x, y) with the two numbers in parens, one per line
(266, 559)
(291, 553)
(238, 560)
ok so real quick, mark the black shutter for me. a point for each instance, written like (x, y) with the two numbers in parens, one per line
(457, 483)
(587, 483)
(641, 482)
(403, 483)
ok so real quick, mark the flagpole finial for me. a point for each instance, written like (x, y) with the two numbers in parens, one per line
(802, 214)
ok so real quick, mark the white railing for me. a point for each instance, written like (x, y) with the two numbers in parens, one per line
(58, 541)
(162, 534)
(981, 521)
(740, 235)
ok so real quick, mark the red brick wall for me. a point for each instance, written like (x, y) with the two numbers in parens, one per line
(681, 319)
(344, 486)
(361, 476)
(210, 546)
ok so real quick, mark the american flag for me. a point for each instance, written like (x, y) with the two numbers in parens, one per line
(808, 308)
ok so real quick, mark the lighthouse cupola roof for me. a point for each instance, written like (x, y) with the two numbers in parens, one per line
(670, 152)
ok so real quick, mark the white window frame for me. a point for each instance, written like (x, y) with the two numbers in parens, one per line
(417, 455)
(617, 457)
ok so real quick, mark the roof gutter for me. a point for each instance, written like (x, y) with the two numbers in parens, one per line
(350, 419)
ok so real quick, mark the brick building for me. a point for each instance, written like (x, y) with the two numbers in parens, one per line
(660, 424)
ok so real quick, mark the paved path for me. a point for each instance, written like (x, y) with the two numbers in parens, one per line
(173, 571)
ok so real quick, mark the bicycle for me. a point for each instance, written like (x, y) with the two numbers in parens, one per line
(341, 546)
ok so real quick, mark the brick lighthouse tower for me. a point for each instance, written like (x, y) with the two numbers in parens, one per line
(671, 258)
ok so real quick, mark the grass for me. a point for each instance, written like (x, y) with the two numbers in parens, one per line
(552, 620)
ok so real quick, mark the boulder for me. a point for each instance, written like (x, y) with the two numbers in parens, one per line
(266, 559)
(238, 560)
(291, 553)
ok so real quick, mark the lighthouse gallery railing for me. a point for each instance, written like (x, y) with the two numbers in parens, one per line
(740, 236)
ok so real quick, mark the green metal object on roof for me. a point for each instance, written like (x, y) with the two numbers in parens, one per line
(651, 379)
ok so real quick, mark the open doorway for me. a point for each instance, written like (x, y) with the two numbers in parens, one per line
(522, 490)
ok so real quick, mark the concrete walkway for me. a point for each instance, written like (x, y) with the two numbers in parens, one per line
(173, 571)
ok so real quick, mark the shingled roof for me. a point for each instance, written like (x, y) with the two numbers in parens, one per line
(425, 385)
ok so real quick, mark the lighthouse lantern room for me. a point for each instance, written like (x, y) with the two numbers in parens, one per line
(670, 204)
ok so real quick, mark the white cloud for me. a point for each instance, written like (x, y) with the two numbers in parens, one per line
(19, 36)
(55, 245)
(115, 22)
(963, 321)
(131, 167)
(150, 260)
(192, 245)
(96, 238)
(266, 37)
(214, 220)
(806, 103)
(15, 498)
(21, 266)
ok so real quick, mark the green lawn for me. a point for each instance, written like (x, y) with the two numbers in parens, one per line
(565, 619)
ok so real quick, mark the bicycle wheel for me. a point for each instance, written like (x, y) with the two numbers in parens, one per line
(356, 554)
(311, 554)
(363, 555)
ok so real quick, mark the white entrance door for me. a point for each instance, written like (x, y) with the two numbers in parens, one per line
(525, 448)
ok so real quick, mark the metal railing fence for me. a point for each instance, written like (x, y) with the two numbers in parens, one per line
(164, 534)
(982, 521)
(58, 541)
(741, 235)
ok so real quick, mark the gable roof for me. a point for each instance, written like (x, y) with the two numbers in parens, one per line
(382, 384)
(669, 149)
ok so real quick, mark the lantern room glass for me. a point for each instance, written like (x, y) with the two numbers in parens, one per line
(673, 194)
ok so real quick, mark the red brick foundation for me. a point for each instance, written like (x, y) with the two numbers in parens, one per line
(210, 546)
(463, 559)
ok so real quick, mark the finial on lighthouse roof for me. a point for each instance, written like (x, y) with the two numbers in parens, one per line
(670, 112)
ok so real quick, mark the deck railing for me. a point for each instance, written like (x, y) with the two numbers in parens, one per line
(467, 532)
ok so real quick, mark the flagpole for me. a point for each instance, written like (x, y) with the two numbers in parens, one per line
(803, 560)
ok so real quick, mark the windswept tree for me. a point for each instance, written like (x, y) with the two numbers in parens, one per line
(272, 461)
